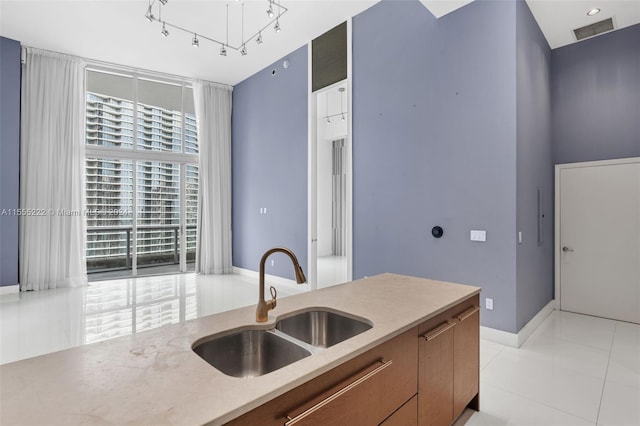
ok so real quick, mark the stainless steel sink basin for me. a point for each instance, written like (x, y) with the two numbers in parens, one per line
(321, 328)
(250, 353)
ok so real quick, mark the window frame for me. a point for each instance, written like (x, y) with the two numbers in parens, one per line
(138, 155)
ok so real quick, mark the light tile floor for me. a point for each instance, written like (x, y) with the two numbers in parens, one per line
(573, 370)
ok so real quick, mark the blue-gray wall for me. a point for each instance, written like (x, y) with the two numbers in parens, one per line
(269, 165)
(595, 87)
(434, 143)
(534, 168)
(9, 157)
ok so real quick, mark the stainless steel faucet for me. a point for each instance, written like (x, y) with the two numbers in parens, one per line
(262, 313)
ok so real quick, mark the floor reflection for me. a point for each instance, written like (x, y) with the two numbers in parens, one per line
(39, 322)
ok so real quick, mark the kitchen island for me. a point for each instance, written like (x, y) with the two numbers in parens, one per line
(154, 377)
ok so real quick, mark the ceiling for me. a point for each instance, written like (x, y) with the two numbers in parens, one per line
(558, 18)
(116, 31)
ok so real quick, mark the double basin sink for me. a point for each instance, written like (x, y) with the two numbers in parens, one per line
(254, 352)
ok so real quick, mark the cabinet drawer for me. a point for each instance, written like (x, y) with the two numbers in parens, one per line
(449, 364)
(407, 415)
(363, 391)
(435, 384)
(466, 361)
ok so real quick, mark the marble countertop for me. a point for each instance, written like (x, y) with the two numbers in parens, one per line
(154, 377)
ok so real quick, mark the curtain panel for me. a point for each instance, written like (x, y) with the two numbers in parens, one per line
(52, 172)
(213, 115)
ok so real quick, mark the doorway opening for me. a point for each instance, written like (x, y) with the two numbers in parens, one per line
(330, 186)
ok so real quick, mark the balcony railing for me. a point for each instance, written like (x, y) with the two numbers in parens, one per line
(110, 248)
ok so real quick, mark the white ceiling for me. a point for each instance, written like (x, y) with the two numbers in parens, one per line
(116, 31)
(558, 18)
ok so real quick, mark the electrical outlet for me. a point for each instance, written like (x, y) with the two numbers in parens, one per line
(488, 303)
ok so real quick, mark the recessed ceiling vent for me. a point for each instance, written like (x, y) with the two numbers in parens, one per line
(594, 29)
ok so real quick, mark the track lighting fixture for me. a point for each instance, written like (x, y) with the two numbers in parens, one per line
(149, 14)
(342, 114)
(274, 11)
(270, 13)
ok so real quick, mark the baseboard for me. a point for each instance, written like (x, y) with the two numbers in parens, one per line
(274, 280)
(515, 340)
(9, 289)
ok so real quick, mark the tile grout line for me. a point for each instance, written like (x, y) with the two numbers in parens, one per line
(604, 382)
(493, 358)
(544, 404)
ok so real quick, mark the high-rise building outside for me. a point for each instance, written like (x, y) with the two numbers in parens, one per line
(112, 184)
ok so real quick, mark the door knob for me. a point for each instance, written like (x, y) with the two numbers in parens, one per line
(566, 249)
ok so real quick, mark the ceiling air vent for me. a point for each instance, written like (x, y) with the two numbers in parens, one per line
(594, 29)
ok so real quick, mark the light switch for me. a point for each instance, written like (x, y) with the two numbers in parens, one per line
(478, 235)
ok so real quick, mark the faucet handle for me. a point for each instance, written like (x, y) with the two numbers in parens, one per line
(271, 304)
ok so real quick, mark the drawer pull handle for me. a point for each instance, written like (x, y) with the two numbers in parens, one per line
(319, 405)
(466, 314)
(438, 331)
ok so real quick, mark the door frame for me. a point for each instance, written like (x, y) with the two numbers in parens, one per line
(557, 233)
(312, 163)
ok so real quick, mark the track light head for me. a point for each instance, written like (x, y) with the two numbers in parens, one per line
(328, 120)
(164, 31)
(195, 42)
(223, 51)
(277, 27)
(259, 38)
(243, 51)
(149, 14)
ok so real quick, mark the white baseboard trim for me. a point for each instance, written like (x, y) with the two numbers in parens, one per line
(273, 280)
(9, 289)
(515, 340)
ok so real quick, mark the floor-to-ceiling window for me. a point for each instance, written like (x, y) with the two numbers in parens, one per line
(141, 175)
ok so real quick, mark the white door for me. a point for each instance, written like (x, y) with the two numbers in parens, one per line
(599, 239)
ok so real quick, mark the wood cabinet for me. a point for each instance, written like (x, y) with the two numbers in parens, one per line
(407, 415)
(449, 373)
(427, 375)
(364, 391)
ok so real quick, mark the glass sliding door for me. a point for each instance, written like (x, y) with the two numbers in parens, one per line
(158, 217)
(142, 175)
(191, 215)
(109, 213)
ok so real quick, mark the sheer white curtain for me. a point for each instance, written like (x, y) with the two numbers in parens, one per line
(52, 164)
(213, 114)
